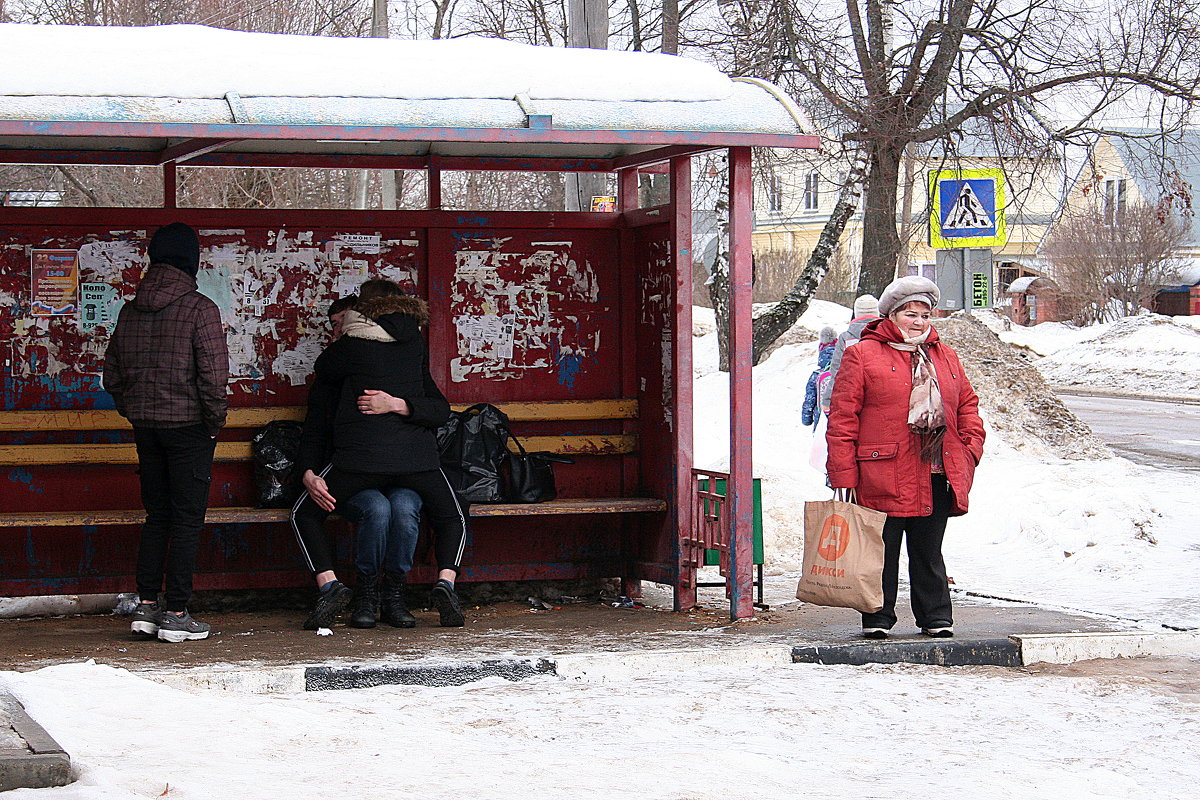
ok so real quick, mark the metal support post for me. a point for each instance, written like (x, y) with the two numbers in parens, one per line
(681, 365)
(741, 386)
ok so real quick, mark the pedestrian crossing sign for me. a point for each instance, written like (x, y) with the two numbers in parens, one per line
(967, 208)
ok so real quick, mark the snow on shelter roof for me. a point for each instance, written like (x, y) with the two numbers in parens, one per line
(105, 89)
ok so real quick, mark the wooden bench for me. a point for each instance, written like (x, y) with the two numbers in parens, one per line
(28, 455)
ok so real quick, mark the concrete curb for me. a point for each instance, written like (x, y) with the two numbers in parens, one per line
(1067, 648)
(317, 679)
(1159, 398)
(620, 666)
(42, 763)
(942, 652)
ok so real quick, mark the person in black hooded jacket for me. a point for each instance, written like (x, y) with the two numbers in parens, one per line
(386, 408)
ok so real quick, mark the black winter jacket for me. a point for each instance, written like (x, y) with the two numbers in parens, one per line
(384, 351)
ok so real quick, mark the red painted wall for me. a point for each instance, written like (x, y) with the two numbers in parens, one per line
(525, 307)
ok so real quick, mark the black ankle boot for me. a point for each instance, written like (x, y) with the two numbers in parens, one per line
(365, 604)
(395, 612)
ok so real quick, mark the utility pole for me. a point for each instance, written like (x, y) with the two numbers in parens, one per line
(587, 26)
(653, 188)
(387, 177)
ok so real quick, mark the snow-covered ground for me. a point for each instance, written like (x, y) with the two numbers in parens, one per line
(1106, 536)
(800, 731)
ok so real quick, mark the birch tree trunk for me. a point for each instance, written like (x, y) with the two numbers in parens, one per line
(770, 326)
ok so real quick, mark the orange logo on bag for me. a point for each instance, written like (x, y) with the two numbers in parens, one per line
(835, 538)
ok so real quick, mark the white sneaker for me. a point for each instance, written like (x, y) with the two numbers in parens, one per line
(939, 633)
(175, 628)
(145, 619)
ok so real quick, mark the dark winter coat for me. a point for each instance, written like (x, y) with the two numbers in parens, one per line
(376, 443)
(167, 364)
(871, 448)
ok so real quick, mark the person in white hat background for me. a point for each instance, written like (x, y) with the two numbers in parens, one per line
(905, 433)
(866, 310)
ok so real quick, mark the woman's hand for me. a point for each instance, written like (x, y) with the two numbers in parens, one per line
(374, 401)
(318, 490)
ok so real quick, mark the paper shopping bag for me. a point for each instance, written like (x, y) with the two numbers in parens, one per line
(843, 556)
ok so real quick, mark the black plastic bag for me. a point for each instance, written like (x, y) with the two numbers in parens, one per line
(531, 475)
(275, 448)
(474, 446)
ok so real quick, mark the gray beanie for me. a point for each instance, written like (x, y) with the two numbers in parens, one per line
(866, 306)
(906, 290)
(828, 334)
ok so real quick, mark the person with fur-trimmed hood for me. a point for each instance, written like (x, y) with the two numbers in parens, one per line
(386, 411)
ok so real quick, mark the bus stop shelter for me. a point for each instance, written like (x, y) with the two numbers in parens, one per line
(577, 323)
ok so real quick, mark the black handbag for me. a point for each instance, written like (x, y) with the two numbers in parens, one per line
(474, 446)
(531, 475)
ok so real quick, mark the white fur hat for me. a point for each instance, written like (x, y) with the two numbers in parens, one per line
(908, 289)
(866, 306)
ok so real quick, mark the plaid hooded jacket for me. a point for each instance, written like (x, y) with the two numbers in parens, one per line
(167, 364)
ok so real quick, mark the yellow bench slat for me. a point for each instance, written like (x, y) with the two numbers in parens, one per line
(225, 516)
(126, 453)
(109, 420)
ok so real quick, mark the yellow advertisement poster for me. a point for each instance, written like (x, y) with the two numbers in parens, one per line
(54, 283)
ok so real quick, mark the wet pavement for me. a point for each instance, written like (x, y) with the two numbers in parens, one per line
(504, 630)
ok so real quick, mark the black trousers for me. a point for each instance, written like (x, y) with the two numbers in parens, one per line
(447, 514)
(175, 470)
(930, 592)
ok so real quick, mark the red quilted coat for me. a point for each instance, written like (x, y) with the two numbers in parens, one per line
(871, 448)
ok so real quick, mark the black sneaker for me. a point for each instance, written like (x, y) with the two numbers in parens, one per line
(331, 603)
(445, 600)
(181, 628)
(874, 633)
(144, 619)
(939, 631)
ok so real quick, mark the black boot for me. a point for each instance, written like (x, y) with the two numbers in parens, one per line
(365, 604)
(395, 612)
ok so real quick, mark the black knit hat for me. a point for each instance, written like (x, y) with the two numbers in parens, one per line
(176, 244)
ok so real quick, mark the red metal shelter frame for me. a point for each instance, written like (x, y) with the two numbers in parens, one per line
(170, 145)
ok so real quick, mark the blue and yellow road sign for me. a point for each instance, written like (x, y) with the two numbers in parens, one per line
(967, 208)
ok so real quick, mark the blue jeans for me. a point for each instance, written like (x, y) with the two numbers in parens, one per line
(386, 529)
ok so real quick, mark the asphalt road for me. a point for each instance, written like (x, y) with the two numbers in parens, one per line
(1153, 432)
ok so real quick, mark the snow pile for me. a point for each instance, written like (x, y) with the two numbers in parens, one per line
(1145, 355)
(1049, 337)
(1013, 396)
(806, 329)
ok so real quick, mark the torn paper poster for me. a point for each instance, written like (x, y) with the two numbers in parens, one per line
(99, 304)
(360, 242)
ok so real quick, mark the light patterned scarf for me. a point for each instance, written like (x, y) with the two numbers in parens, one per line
(926, 412)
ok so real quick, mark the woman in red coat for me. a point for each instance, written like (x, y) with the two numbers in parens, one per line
(905, 433)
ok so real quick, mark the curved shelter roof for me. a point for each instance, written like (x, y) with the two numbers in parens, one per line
(209, 96)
